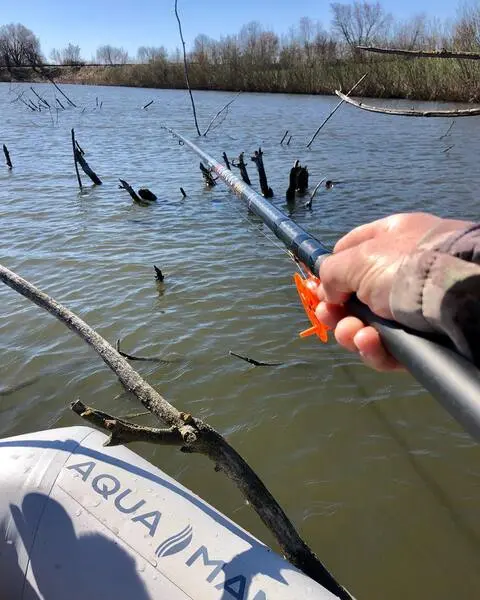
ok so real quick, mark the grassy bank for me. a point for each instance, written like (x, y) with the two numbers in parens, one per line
(419, 79)
(392, 77)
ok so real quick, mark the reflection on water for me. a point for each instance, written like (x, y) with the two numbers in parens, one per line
(379, 480)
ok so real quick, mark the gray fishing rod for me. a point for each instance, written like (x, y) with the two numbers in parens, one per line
(451, 379)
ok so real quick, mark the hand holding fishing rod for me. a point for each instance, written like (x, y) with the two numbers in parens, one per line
(395, 265)
(452, 379)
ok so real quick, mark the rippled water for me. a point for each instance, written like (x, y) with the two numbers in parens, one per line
(378, 479)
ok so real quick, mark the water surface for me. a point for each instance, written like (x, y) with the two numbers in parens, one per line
(380, 481)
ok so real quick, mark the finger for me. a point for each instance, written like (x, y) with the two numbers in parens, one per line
(342, 296)
(330, 314)
(368, 343)
(361, 234)
(346, 331)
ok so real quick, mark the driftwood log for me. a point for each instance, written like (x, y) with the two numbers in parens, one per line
(422, 53)
(400, 112)
(189, 434)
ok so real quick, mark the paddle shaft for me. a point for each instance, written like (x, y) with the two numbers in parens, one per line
(448, 376)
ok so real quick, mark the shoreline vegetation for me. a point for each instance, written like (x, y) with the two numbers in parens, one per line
(307, 60)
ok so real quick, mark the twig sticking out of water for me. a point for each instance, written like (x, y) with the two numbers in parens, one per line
(185, 69)
(7, 157)
(257, 158)
(143, 358)
(284, 136)
(148, 104)
(226, 161)
(159, 276)
(448, 130)
(184, 194)
(42, 100)
(335, 110)
(240, 164)
(75, 152)
(252, 361)
(78, 154)
(219, 113)
(207, 176)
(308, 204)
(124, 185)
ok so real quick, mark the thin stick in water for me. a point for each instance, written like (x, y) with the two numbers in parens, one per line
(7, 157)
(185, 69)
(335, 109)
(75, 152)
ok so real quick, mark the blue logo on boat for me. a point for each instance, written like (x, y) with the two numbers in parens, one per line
(175, 543)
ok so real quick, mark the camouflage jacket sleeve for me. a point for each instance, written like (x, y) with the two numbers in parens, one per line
(437, 288)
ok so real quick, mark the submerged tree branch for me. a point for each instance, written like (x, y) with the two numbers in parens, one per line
(468, 112)
(193, 434)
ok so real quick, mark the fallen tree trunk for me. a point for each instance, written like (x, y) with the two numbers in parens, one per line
(421, 53)
(400, 112)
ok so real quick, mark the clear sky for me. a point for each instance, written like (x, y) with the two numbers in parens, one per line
(134, 23)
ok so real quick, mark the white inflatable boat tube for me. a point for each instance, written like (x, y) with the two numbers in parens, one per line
(79, 521)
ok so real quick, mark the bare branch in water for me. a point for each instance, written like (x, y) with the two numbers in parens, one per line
(334, 111)
(252, 361)
(185, 68)
(468, 112)
(448, 131)
(144, 358)
(308, 204)
(219, 113)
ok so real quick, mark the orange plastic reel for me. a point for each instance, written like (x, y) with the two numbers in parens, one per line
(310, 301)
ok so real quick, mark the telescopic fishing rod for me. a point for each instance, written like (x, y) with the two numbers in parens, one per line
(449, 377)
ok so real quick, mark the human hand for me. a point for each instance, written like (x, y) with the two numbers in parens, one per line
(365, 262)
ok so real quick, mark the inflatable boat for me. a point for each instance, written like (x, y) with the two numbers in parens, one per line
(82, 521)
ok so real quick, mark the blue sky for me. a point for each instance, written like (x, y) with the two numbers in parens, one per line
(133, 23)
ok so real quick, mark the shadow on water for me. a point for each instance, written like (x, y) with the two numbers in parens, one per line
(433, 486)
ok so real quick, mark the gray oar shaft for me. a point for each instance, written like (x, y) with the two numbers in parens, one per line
(448, 376)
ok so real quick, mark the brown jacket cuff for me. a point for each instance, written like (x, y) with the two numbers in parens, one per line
(437, 288)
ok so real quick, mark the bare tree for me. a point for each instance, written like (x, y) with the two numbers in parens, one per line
(466, 35)
(19, 46)
(70, 55)
(360, 23)
(151, 54)
(110, 55)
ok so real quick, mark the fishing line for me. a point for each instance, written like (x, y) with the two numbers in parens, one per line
(262, 232)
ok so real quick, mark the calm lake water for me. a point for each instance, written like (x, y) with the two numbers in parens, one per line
(379, 480)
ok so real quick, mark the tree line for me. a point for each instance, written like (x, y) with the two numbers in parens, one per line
(306, 59)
